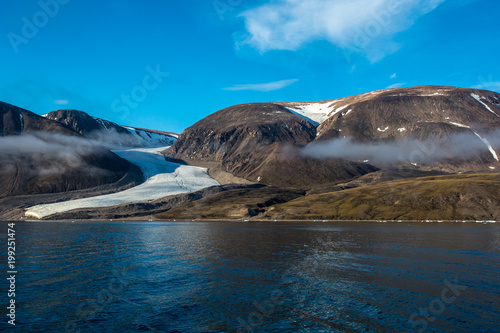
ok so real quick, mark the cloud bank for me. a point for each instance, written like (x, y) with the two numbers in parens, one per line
(460, 146)
(34, 151)
(366, 26)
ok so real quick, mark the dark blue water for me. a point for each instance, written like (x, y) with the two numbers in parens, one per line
(260, 277)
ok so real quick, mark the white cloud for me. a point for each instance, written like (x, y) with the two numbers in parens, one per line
(492, 85)
(393, 76)
(359, 25)
(263, 86)
(396, 85)
(61, 102)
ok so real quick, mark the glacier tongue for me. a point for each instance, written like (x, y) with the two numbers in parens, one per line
(162, 179)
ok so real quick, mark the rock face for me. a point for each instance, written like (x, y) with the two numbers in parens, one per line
(260, 142)
(17, 121)
(39, 155)
(416, 112)
(257, 142)
(49, 173)
(82, 122)
(101, 129)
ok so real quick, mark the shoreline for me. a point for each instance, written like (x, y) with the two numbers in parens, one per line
(250, 221)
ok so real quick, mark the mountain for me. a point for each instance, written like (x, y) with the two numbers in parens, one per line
(17, 121)
(265, 142)
(39, 155)
(403, 113)
(251, 141)
(92, 127)
(297, 160)
(433, 114)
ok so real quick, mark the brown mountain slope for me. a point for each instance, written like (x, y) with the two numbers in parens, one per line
(255, 142)
(262, 142)
(398, 113)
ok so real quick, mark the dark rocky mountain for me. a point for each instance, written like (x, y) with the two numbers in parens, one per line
(256, 142)
(40, 155)
(262, 142)
(92, 127)
(83, 123)
(407, 112)
(17, 121)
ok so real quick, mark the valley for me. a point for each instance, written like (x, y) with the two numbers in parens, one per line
(420, 153)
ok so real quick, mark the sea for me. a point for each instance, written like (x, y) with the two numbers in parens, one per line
(251, 277)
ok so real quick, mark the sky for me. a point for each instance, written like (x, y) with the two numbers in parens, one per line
(167, 64)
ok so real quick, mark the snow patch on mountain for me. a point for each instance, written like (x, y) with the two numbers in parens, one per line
(315, 113)
(162, 179)
(431, 95)
(105, 124)
(459, 125)
(150, 139)
(490, 148)
(478, 98)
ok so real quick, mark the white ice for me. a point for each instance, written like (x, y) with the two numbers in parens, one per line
(162, 179)
(382, 130)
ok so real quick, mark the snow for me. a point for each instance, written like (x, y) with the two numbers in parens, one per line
(478, 98)
(459, 125)
(402, 129)
(339, 109)
(492, 168)
(429, 95)
(414, 164)
(101, 122)
(490, 148)
(150, 138)
(382, 130)
(315, 113)
(347, 112)
(162, 179)
(492, 151)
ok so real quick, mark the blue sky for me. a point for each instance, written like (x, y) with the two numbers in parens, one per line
(166, 64)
